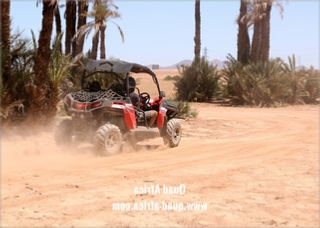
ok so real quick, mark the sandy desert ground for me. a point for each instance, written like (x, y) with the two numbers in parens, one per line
(234, 167)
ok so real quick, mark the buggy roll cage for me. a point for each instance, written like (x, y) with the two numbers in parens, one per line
(116, 67)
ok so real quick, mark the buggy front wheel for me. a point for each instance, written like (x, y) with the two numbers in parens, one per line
(173, 134)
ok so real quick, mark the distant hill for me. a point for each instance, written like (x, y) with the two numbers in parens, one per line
(302, 67)
(218, 63)
(214, 62)
(174, 66)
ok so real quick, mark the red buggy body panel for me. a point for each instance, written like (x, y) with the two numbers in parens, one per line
(129, 116)
(128, 112)
(161, 114)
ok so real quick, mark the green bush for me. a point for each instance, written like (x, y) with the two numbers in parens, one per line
(311, 85)
(304, 84)
(198, 82)
(14, 95)
(171, 78)
(258, 84)
(184, 109)
(270, 83)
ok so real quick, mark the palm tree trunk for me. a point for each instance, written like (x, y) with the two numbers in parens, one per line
(82, 20)
(73, 28)
(95, 42)
(265, 42)
(243, 36)
(102, 44)
(197, 38)
(38, 91)
(70, 24)
(58, 24)
(5, 39)
(256, 41)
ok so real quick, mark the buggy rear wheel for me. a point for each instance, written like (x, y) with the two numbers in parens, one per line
(108, 139)
(174, 132)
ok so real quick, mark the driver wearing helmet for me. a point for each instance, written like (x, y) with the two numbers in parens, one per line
(151, 115)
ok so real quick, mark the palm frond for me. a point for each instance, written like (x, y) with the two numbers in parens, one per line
(34, 41)
(120, 30)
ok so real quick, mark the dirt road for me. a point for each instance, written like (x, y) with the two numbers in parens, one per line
(244, 166)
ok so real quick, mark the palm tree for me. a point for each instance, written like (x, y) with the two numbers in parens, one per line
(39, 90)
(70, 16)
(5, 39)
(256, 15)
(259, 17)
(58, 22)
(101, 14)
(59, 69)
(243, 36)
(197, 38)
(256, 41)
(265, 34)
(13, 94)
(82, 20)
(265, 43)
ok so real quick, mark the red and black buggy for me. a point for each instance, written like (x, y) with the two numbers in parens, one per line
(102, 112)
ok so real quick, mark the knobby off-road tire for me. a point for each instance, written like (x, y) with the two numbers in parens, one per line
(107, 140)
(174, 132)
(63, 137)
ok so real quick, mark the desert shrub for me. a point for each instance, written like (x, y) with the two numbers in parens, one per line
(171, 78)
(270, 83)
(197, 82)
(311, 85)
(184, 109)
(258, 84)
(15, 96)
(304, 84)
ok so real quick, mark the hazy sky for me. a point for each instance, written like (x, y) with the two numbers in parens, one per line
(161, 32)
